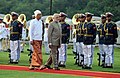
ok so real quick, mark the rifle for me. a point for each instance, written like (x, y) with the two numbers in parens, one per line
(99, 57)
(103, 61)
(30, 55)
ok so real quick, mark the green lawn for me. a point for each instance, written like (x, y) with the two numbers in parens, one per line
(70, 60)
(22, 74)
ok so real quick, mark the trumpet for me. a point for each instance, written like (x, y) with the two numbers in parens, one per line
(7, 19)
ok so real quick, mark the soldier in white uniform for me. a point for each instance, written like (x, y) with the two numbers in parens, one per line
(15, 36)
(47, 50)
(2, 29)
(88, 40)
(74, 39)
(4, 40)
(65, 40)
(110, 39)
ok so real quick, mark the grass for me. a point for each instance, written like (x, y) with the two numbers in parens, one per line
(69, 65)
(23, 74)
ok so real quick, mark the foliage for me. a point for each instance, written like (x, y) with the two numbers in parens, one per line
(68, 6)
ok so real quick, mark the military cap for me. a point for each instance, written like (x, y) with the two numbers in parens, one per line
(109, 14)
(1, 18)
(33, 16)
(103, 16)
(14, 14)
(88, 14)
(63, 14)
(81, 15)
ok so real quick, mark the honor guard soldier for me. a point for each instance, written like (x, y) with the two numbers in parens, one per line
(75, 21)
(65, 40)
(79, 39)
(101, 35)
(15, 36)
(88, 40)
(110, 39)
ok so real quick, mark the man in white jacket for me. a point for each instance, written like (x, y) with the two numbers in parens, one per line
(35, 32)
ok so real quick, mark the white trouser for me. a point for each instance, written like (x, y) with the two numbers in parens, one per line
(101, 51)
(80, 50)
(30, 46)
(74, 46)
(15, 49)
(22, 44)
(92, 49)
(47, 50)
(109, 50)
(87, 51)
(63, 53)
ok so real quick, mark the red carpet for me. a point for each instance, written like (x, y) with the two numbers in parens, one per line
(63, 71)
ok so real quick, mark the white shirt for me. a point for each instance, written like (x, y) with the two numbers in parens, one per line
(35, 30)
(46, 34)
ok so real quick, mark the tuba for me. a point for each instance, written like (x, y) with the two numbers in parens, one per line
(7, 19)
(75, 19)
(49, 19)
(22, 19)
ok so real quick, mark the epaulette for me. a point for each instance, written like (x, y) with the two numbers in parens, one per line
(62, 22)
(112, 22)
(93, 23)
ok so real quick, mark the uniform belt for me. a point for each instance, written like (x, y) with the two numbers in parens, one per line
(101, 35)
(88, 35)
(80, 34)
(64, 34)
(109, 34)
(14, 32)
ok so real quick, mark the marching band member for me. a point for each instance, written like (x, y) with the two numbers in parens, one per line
(2, 33)
(22, 19)
(47, 50)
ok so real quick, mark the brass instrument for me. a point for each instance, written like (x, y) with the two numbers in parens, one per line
(82, 28)
(107, 31)
(7, 19)
(22, 19)
(75, 19)
(49, 19)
